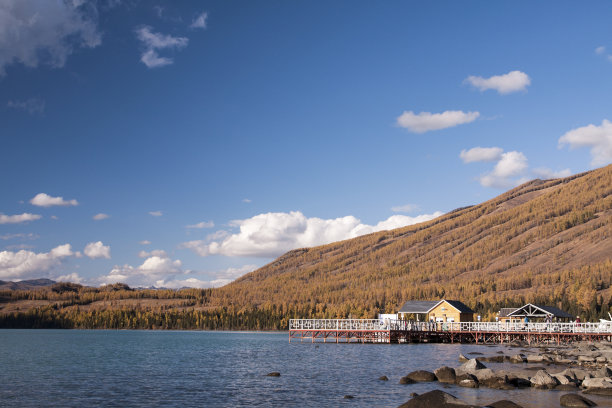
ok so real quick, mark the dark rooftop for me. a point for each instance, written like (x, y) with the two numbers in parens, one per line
(418, 306)
(460, 306)
(538, 310)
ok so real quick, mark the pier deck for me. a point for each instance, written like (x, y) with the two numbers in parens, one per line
(400, 331)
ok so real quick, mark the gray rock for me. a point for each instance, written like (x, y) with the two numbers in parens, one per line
(421, 376)
(348, 397)
(566, 387)
(504, 404)
(603, 372)
(599, 391)
(470, 367)
(467, 380)
(383, 378)
(518, 358)
(484, 374)
(586, 359)
(597, 383)
(575, 400)
(543, 380)
(406, 380)
(462, 358)
(435, 398)
(492, 359)
(535, 358)
(445, 374)
(498, 383)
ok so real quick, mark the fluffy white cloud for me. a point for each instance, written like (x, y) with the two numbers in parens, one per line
(97, 249)
(34, 32)
(153, 42)
(27, 264)
(45, 200)
(156, 213)
(426, 121)
(407, 208)
(145, 242)
(18, 218)
(200, 21)
(220, 279)
(598, 138)
(271, 234)
(246, 200)
(511, 82)
(153, 269)
(34, 106)
(481, 154)
(545, 173)
(203, 224)
(156, 252)
(100, 216)
(510, 166)
(600, 50)
(71, 277)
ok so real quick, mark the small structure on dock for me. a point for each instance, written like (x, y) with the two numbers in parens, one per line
(534, 313)
(437, 310)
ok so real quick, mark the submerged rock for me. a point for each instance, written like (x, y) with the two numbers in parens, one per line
(492, 359)
(435, 398)
(445, 374)
(421, 376)
(517, 358)
(406, 380)
(575, 400)
(383, 378)
(348, 397)
(504, 404)
(273, 374)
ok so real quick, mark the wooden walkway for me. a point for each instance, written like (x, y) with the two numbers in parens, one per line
(399, 331)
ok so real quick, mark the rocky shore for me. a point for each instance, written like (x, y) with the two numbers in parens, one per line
(580, 368)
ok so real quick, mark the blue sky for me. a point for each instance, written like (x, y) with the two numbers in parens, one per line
(215, 136)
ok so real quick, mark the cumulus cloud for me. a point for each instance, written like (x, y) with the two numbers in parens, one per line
(71, 277)
(153, 42)
(481, 154)
(27, 264)
(97, 249)
(34, 106)
(513, 81)
(426, 121)
(156, 213)
(153, 269)
(598, 138)
(200, 21)
(100, 216)
(271, 234)
(201, 225)
(507, 171)
(45, 200)
(546, 173)
(18, 218)
(35, 32)
(156, 252)
(219, 279)
(600, 50)
(406, 208)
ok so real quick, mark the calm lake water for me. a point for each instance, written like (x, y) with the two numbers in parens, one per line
(77, 368)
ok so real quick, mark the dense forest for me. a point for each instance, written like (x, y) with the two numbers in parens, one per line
(546, 242)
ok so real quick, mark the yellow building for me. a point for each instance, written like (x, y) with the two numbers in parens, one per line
(439, 311)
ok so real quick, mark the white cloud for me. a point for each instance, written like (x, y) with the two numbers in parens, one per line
(27, 264)
(145, 242)
(34, 106)
(20, 235)
(100, 216)
(34, 32)
(272, 234)
(598, 138)
(426, 121)
(156, 213)
(71, 277)
(220, 279)
(156, 41)
(600, 50)
(200, 21)
(511, 82)
(481, 154)
(546, 173)
(18, 218)
(97, 249)
(246, 200)
(203, 224)
(407, 208)
(506, 173)
(153, 269)
(45, 200)
(156, 252)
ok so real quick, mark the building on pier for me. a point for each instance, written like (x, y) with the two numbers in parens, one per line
(437, 310)
(534, 313)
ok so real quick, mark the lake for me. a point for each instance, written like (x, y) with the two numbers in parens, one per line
(76, 368)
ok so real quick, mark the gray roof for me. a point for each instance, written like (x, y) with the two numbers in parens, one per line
(461, 307)
(505, 311)
(418, 306)
(538, 310)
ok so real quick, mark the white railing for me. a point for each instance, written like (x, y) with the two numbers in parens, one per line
(376, 324)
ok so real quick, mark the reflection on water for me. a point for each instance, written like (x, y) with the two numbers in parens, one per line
(222, 369)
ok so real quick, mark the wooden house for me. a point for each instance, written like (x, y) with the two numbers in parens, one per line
(437, 310)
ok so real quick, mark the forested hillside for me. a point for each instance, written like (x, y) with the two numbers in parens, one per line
(548, 242)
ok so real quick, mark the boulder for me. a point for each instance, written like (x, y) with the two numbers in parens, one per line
(421, 376)
(586, 359)
(563, 379)
(484, 374)
(575, 400)
(348, 397)
(470, 366)
(519, 382)
(475, 353)
(601, 360)
(535, 358)
(435, 398)
(498, 383)
(603, 372)
(492, 359)
(504, 404)
(597, 383)
(462, 358)
(383, 378)
(445, 374)
(543, 380)
(406, 380)
(273, 374)
(467, 380)
(518, 358)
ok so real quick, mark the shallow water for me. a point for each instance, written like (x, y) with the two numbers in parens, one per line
(75, 368)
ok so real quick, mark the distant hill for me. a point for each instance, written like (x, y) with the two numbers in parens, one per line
(31, 284)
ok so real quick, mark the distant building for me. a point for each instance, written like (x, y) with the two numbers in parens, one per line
(533, 312)
(438, 310)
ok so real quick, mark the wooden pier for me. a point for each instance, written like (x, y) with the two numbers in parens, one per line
(401, 331)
